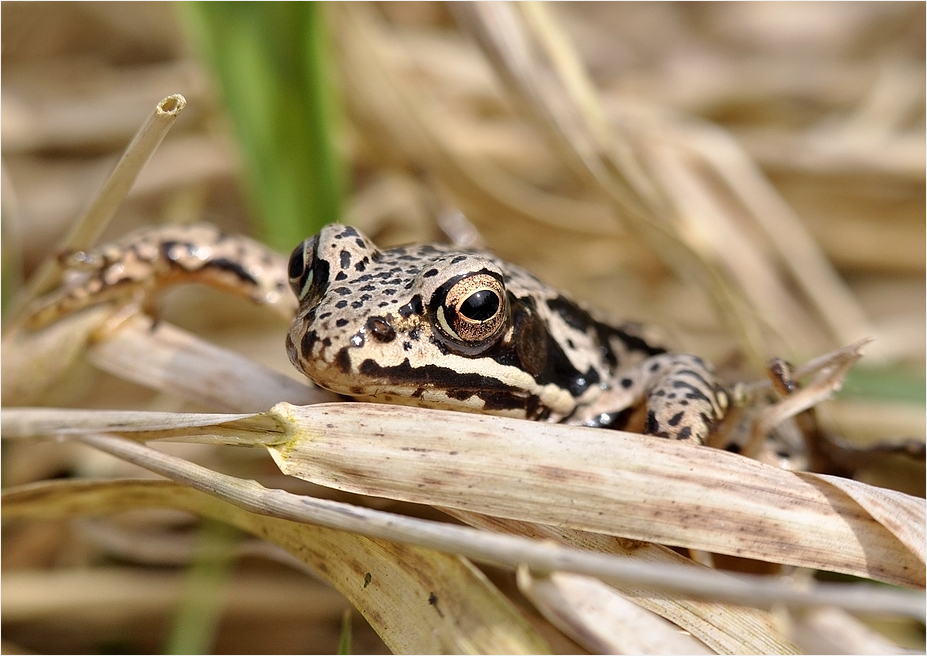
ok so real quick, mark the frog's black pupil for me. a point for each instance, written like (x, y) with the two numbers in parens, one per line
(480, 306)
(297, 264)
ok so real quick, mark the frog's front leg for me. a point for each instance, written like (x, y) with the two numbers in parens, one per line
(683, 399)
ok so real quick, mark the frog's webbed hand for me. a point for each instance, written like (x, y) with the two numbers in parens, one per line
(679, 392)
(135, 268)
(684, 400)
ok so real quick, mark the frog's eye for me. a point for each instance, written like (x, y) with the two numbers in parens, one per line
(302, 269)
(297, 264)
(472, 311)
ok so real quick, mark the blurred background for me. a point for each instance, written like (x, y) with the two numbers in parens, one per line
(747, 176)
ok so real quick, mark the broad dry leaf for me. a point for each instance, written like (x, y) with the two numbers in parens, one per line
(418, 600)
(892, 509)
(601, 481)
(568, 476)
(725, 629)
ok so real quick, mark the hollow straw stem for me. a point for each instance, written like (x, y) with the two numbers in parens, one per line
(88, 228)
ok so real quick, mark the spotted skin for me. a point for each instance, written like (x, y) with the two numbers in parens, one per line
(390, 326)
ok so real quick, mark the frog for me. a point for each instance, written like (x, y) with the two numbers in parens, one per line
(437, 326)
(431, 325)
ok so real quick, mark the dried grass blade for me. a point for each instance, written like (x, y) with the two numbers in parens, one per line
(646, 175)
(668, 492)
(891, 509)
(606, 155)
(725, 628)
(578, 130)
(588, 611)
(33, 362)
(418, 600)
(710, 226)
(171, 360)
(385, 101)
(39, 422)
(794, 244)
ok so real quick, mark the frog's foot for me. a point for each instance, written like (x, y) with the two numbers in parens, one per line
(684, 400)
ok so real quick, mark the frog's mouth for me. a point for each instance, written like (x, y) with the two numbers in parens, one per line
(438, 400)
(435, 386)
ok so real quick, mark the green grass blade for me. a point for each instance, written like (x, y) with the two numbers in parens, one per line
(885, 384)
(273, 64)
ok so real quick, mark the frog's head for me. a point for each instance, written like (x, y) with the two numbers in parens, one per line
(425, 325)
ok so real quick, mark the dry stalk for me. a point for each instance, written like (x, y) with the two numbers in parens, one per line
(831, 369)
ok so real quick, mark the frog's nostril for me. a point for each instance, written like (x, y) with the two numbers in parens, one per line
(380, 329)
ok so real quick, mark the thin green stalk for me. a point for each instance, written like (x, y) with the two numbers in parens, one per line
(344, 639)
(204, 595)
